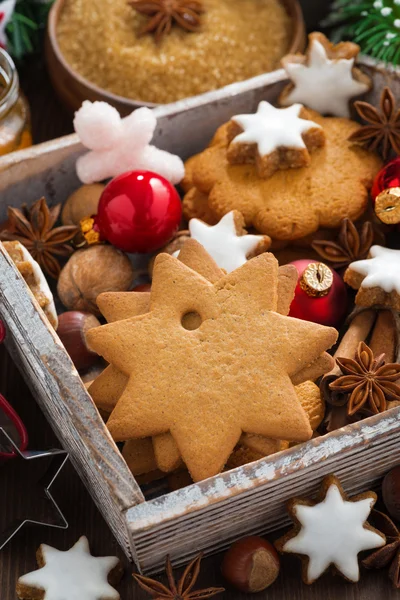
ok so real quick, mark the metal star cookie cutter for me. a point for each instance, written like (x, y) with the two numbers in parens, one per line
(59, 458)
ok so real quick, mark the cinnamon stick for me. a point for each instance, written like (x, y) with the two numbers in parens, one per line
(358, 331)
(383, 327)
(384, 336)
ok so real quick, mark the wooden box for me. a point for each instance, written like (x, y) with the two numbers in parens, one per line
(208, 515)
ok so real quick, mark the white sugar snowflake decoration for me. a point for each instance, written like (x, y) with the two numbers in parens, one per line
(119, 145)
(323, 84)
(333, 532)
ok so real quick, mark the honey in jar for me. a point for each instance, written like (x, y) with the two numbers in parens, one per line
(15, 129)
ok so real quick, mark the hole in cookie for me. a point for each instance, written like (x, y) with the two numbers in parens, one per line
(191, 320)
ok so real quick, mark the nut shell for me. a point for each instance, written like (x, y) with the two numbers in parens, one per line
(173, 246)
(72, 328)
(82, 203)
(391, 493)
(91, 271)
(251, 564)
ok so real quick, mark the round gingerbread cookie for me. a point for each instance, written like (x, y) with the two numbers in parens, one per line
(293, 202)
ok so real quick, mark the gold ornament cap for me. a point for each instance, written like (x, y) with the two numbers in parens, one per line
(316, 280)
(387, 206)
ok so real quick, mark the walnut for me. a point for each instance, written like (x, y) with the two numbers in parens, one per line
(91, 271)
(82, 203)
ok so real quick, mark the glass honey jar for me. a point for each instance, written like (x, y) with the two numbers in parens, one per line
(15, 126)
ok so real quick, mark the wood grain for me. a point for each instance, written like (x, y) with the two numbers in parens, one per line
(19, 556)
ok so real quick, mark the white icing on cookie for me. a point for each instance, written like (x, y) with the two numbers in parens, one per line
(41, 282)
(73, 575)
(272, 128)
(333, 532)
(325, 85)
(381, 270)
(223, 244)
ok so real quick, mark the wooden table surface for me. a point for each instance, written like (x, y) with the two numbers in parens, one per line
(50, 120)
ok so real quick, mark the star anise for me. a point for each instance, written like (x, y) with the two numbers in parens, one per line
(350, 245)
(34, 228)
(388, 554)
(164, 13)
(383, 128)
(369, 381)
(181, 590)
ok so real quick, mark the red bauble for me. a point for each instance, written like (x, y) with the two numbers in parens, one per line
(388, 177)
(320, 294)
(139, 211)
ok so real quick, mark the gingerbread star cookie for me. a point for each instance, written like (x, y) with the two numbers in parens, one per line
(108, 387)
(213, 391)
(377, 278)
(74, 575)
(325, 79)
(331, 531)
(292, 203)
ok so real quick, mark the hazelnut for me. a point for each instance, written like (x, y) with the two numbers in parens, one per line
(391, 492)
(251, 564)
(143, 287)
(82, 203)
(72, 328)
(173, 246)
(91, 271)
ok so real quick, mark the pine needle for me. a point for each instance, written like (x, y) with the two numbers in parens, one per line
(26, 28)
(374, 25)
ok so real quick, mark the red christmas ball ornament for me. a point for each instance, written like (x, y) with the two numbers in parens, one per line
(320, 294)
(388, 177)
(138, 211)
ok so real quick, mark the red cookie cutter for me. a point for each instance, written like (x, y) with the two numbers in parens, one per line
(10, 421)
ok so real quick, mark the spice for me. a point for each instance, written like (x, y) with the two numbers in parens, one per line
(183, 590)
(383, 125)
(350, 245)
(35, 229)
(118, 60)
(164, 13)
(388, 554)
(369, 381)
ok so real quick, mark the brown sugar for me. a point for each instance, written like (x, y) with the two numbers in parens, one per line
(238, 39)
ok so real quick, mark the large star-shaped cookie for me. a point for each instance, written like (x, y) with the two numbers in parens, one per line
(229, 375)
(293, 203)
(108, 387)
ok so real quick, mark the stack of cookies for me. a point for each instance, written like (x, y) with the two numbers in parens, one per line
(208, 365)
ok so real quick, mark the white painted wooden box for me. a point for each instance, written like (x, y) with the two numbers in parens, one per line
(208, 515)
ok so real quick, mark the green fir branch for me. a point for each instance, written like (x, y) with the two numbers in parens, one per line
(374, 25)
(26, 29)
